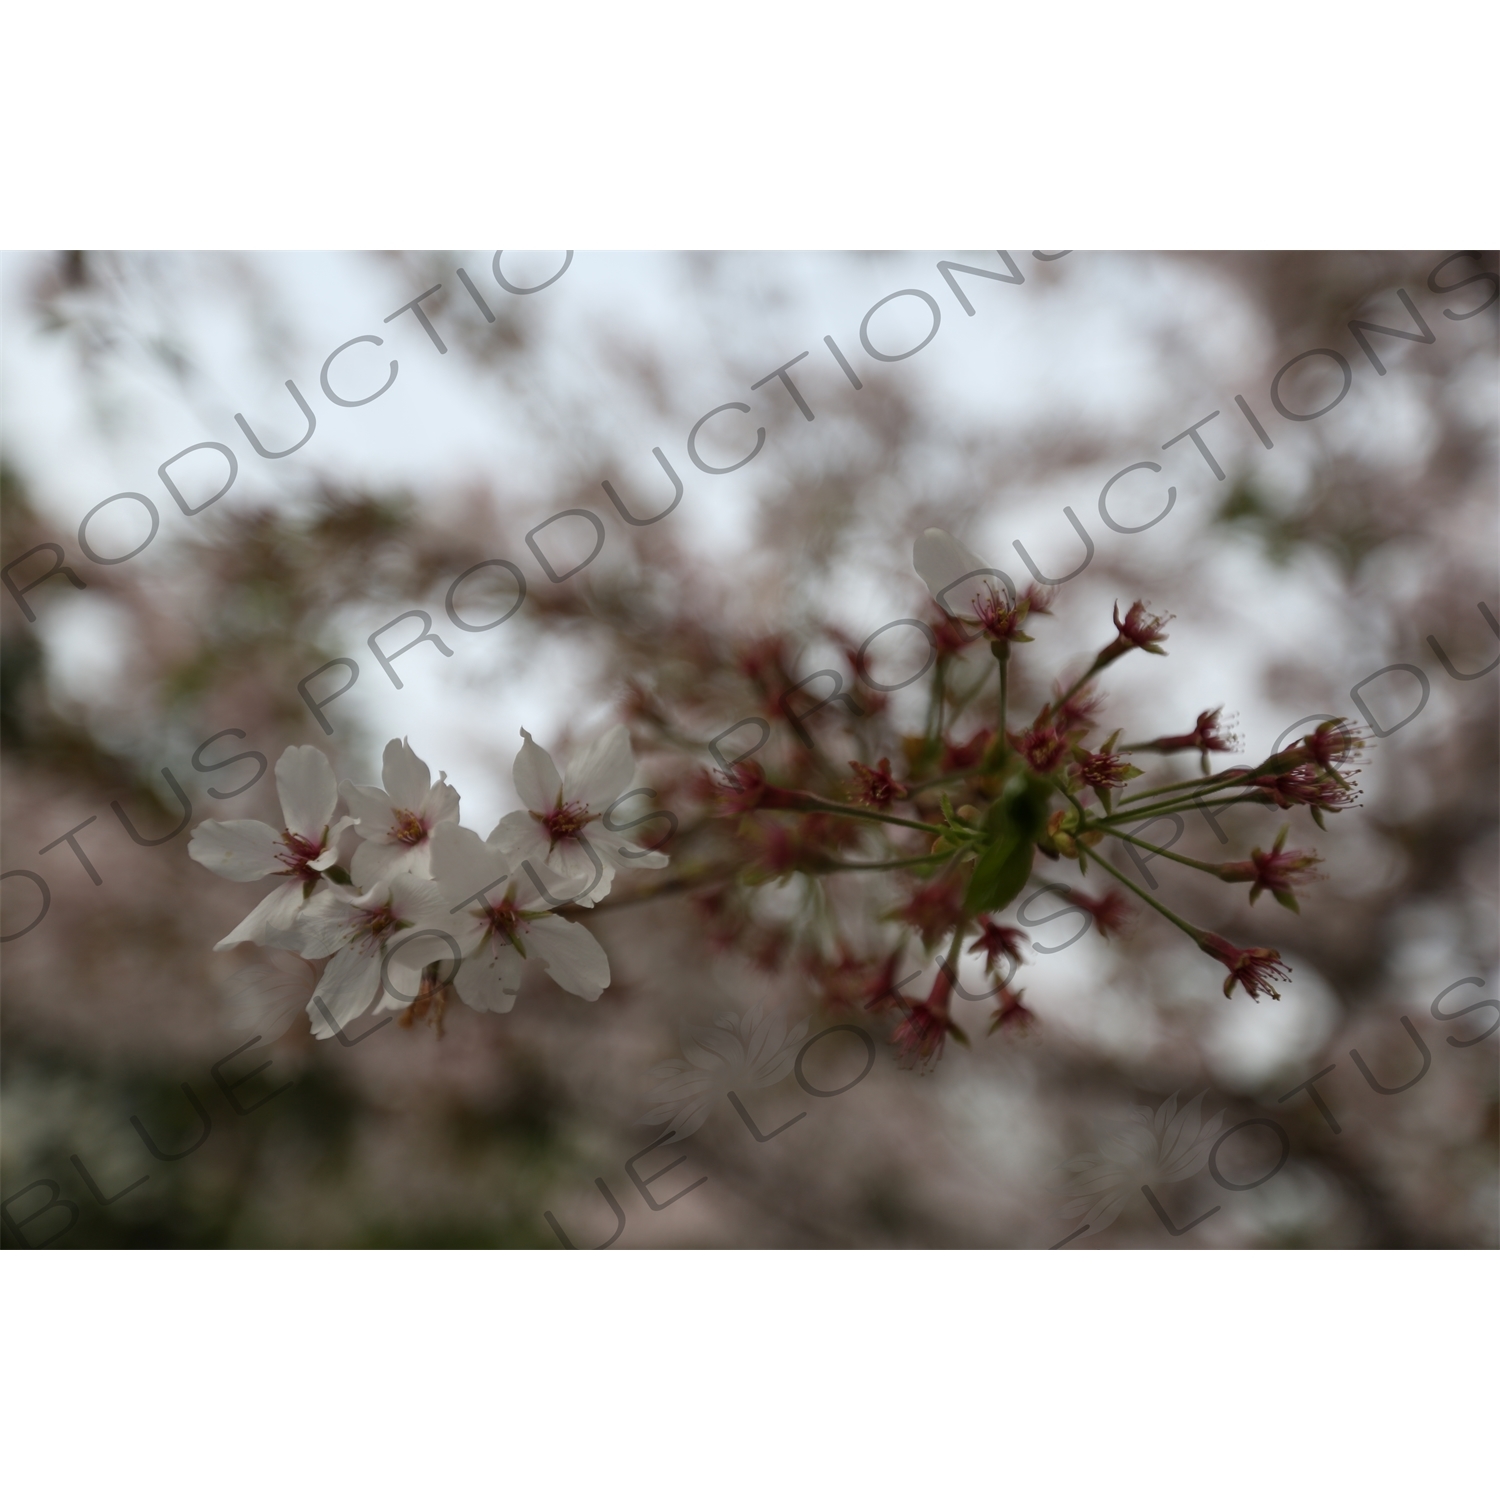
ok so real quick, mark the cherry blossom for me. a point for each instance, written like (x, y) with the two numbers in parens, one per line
(550, 833)
(1206, 734)
(964, 585)
(995, 940)
(477, 883)
(1110, 911)
(396, 824)
(1043, 745)
(1257, 969)
(743, 788)
(1280, 871)
(246, 849)
(1141, 629)
(377, 945)
(919, 1038)
(876, 787)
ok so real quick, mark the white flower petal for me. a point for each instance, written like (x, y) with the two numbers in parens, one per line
(463, 864)
(347, 990)
(309, 793)
(416, 899)
(600, 771)
(489, 981)
(374, 862)
(405, 956)
(405, 775)
(568, 873)
(571, 953)
(238, 849)
(467, 930)
(537, 781)
(941, 560)
(440, 805)
(274, 923)
(371, 808)
(518, 831)
(623, 856)
(324, 924)
(330, 855)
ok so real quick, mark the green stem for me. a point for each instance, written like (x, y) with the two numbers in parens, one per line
(1215, 783)
(1181, 859)
(844, 809)
(926, 786)
(1003, 656)
(1130, 885)
(1092, 672)
(1177, 805)
(888, 864)
(953, 950)
(935, 705)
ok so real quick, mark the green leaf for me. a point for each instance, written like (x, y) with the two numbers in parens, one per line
(999, 875)
(997, 819)
(995, 756)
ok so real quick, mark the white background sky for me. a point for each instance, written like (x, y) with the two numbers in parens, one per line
(1082, 345)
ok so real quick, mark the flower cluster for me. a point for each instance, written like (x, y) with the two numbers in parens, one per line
(882, 865)
(401, 904)
(954, 821)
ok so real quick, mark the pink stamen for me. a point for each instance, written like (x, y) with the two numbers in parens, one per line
(566, 821)
(299, 855)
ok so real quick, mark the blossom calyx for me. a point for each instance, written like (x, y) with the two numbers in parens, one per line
(1138, 630)
(1010, 1013)
(1043, 746)
(1110, 912)
(876, 786)
(1307, 785)
(927, 1025)
(743, 788)
(1206, 734)
(1252, 968)
(995, 940)
(1278, 871)
(1102, 769)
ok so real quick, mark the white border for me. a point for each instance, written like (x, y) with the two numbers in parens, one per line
(795, 123)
